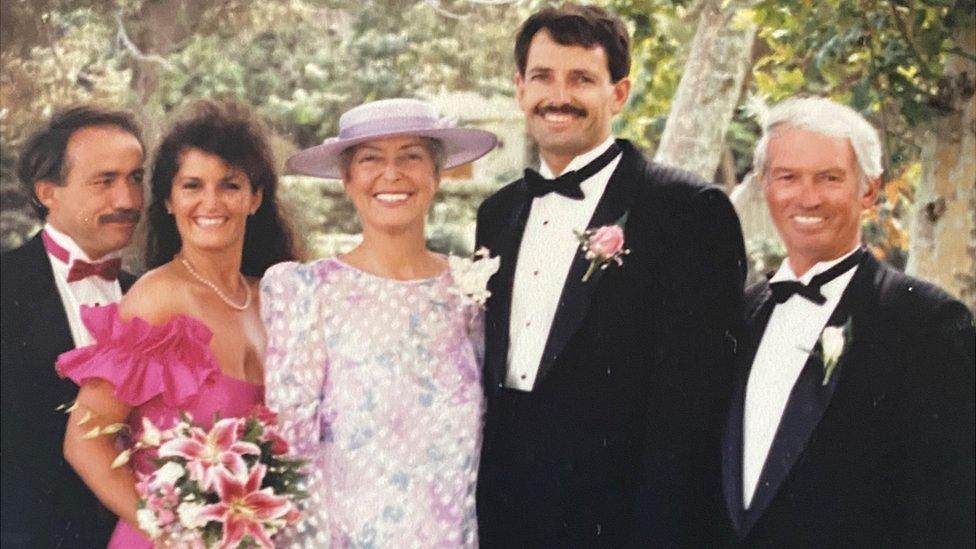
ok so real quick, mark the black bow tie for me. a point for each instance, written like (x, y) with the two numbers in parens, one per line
(787, 288)
(568, 184)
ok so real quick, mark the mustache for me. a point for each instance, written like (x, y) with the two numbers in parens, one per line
(560, 109)
(125, 215)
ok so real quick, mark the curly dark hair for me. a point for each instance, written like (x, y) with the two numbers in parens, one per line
(576, 25)
(227, 130)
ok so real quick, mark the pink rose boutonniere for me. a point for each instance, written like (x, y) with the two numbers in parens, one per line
(603, 246)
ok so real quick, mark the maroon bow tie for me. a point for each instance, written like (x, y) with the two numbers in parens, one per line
(109, 270)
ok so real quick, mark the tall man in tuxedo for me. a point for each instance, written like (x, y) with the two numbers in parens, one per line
(83, 171)
(604, 393)
(851, 422)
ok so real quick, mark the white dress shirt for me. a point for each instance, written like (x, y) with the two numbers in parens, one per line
(545, 256)
(793, 329)
(92, 290)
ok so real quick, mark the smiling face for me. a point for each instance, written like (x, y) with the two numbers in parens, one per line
(814, 195)
(568, 98)
(210, 202)
(99, 202)
(392, 182)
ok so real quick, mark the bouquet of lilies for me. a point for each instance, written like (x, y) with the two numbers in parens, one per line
(232, 486)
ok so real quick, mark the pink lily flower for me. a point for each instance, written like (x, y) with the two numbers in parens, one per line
(244, 508)
(209, 453)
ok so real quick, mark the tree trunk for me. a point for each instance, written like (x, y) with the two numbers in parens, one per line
(154, 33)
(943, 231)
(151, 35)
(709, 90)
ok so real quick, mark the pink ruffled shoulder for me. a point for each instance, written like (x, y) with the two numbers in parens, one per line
(142, 360)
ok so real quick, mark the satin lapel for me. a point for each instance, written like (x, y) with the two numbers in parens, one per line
(808, 400)
(500, 306)
(49, 323)
(576, 296)
(756, 321)
(126, 280)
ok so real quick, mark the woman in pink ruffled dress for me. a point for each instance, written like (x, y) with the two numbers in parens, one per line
(188, 336)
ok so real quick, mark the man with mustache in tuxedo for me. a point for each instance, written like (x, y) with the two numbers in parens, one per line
(852, 413)
(83, 172)
(605, 380)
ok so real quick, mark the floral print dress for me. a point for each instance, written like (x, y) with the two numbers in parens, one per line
(377, 382)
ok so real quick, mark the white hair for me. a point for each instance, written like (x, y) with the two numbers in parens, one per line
(823, 116)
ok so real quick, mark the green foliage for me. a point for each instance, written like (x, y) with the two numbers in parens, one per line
(882, 57)
(300, 63)
(661, 32)
(66, 63)
(305, 65)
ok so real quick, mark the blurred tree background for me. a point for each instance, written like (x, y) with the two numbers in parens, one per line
(908, 65)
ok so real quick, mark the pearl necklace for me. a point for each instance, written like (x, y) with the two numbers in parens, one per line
(223, 297)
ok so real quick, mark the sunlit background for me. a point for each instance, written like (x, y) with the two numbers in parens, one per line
(909, 67)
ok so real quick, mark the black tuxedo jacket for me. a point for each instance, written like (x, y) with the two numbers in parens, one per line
(883, 454)
(44, 503)
(619, 440)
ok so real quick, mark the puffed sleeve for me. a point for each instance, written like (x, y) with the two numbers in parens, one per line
(171, 360)
(295, 370)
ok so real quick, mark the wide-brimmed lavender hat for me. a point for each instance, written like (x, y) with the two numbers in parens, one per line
(390, 118)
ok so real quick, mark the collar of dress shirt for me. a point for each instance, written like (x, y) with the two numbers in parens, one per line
(785, 271)
(75, 251)
(579, 161)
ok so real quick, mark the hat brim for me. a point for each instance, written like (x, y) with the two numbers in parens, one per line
(461, 145)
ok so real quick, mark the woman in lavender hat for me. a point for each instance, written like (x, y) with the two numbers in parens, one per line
(373, 357)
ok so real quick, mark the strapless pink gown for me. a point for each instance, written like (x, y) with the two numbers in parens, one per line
(160, 371)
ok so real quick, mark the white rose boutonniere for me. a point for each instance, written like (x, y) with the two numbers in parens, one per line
(834, 342)
(471, 275)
